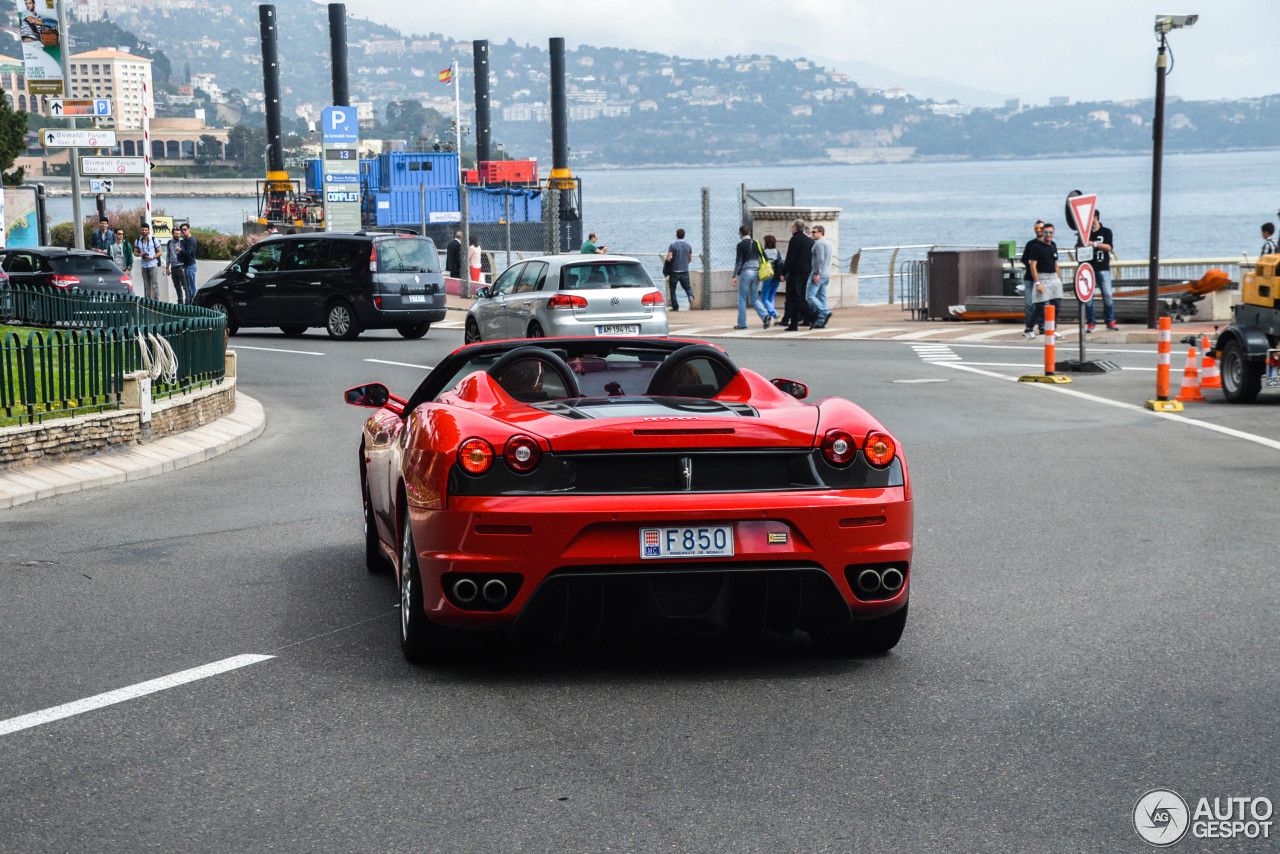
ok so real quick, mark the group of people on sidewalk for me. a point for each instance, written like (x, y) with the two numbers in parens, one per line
(758, 272)
(178, 256)
(453, 256)
(1042, 279)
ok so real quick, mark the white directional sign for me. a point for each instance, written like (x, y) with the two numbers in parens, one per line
(62, 107)
(101, 185)
(113, 166)
(1086, 281)
(87, 138)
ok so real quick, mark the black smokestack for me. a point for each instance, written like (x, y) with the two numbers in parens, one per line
(480, 51)
(338, 53)
(559, 112)
(271, 87)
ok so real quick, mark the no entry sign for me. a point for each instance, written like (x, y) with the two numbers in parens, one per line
(1086, 281)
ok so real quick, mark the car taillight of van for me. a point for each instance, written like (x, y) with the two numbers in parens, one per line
(373, 257)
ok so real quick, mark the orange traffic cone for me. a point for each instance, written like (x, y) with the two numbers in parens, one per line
(1190, 391)
(1209, 377)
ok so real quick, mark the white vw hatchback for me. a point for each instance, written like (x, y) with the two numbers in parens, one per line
(569, 296)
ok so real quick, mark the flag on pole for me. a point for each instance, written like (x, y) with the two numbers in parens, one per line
(446, 76)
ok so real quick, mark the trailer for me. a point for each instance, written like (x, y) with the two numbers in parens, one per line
(1249, 349)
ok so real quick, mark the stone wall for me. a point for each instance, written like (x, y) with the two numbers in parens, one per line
(65, 439)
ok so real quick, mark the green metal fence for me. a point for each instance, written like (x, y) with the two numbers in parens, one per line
(79, 365)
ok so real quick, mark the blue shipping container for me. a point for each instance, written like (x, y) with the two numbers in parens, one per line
(313, 176)
(488, 206)
(405, 206)
(408, 170)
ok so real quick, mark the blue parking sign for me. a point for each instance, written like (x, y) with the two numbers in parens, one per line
(339, 124)
(102, 106)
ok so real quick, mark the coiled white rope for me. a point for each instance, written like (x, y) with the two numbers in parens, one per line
(158, 358)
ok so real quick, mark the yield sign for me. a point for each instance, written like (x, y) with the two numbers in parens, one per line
(1082, 208)
(1086, 281)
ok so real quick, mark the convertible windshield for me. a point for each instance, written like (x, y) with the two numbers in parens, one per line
(604, 274)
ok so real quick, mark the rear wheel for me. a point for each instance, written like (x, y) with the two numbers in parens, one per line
(865, 637)
(340, 322)
(535, 330)
(420, 639)
(413, 330)
(293, 330)
(472, 333)
(225, 310)
(1241, 379)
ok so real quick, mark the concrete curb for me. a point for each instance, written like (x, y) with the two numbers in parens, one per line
(33, 483)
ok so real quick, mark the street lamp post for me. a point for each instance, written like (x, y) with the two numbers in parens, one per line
(1164, 23)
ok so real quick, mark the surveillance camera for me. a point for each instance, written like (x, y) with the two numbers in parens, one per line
(1165, 23)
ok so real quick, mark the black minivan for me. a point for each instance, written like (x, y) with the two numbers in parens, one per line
(344, 282)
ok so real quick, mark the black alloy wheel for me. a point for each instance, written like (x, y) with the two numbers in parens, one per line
(225, 310)
(340, 322)
(1241, 379)
(420, 639)
(413, 330)
(374, 560)
(472, 333)
(535, 330)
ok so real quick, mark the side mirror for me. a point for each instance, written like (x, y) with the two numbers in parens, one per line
(797, 390)
(483, 293)
(373, 395)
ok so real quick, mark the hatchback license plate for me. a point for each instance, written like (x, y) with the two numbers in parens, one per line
(701, 541)
(618, 329)
(417, 298)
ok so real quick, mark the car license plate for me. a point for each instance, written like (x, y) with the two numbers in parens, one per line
(417, 298)
(618, 329)
(692, 541)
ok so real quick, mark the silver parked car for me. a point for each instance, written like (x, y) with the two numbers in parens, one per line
(569, 296)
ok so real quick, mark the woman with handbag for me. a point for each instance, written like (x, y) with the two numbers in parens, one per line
(769, 287)
(746, 278)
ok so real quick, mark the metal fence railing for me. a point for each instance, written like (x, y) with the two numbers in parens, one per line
(80, 365)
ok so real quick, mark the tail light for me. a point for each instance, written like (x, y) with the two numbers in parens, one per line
(879, 448)
(654, 298)
(475, 455)
(63, 281)
(838, 447)
(522, 453)
(127, 282)
(377, 302)
(373, 257)
(567, 301)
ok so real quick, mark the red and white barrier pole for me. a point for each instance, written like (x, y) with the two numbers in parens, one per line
(1164, 354)
(1050, 333)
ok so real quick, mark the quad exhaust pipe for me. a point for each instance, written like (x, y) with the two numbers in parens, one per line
(494, 591)
(892, 579)
(465, 590)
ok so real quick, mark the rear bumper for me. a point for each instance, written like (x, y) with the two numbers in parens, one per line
(554, 551)
(371, 317)
(564, 324)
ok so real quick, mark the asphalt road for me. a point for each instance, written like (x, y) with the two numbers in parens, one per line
(1094, 615)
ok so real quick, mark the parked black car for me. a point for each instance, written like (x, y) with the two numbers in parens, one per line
(345, 282)
(55, 267)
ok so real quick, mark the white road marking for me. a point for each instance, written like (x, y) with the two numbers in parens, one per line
(1168, 416)
(935, 352)
(449, 324)
(867, 333)
(983, 336)
(693, 330)
(275, 350)
(120, 695)
(1038, 366)
(400, 364)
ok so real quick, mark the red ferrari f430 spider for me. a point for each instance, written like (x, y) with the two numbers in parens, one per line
(578, 488)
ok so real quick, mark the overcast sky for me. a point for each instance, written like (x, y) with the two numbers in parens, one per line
(1088, 49)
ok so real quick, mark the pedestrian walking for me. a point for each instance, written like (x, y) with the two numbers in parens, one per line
(1028, 286)
(100, 241)
(174, 268)
(453, 256)
(678, 255)
(475, 258)
(1100, 237)
(121, 252)
(149, 249)
(589, 246)
(1046, 276)
(1268, 239)
(816, 294)
(187, 252)
(769, 289)
(746, 278)
(795, 274)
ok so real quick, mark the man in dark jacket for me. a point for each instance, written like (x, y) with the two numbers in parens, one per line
(453, 257)
(796, 269)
